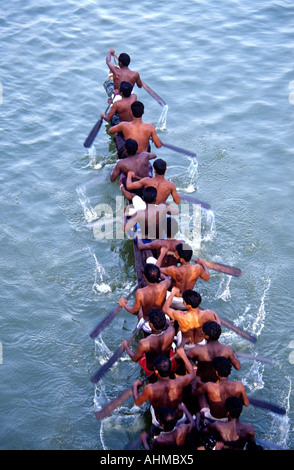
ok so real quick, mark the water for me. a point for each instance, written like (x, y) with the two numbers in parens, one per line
(225, 72)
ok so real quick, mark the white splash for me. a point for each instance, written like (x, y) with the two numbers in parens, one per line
(224, 293)
(99, 285)
(161, 125)
(260, 318)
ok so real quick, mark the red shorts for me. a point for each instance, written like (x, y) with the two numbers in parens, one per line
(142, 363)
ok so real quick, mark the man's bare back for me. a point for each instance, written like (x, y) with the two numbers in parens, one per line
(122, 107)
(122, 73)
(164, 187)
(139, 163)
(140, 131)
(185, 276)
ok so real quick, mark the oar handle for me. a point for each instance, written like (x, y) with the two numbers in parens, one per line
(90, 139)
(205, 205)
(267, 406)
(179, 150)
(238, 330)
(223, 268)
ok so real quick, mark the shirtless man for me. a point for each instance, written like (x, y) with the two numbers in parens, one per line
(123, 106)
(231, 435)
(164, 187)
(138, 130)
(137, 162)
(204, 354)
(173, 436)
(158, 342)
(185, 276)
(152, 219)
(190, 321)
(212, 395)
(166, 248)
(122, 73)
(151, 296)
(165, 392)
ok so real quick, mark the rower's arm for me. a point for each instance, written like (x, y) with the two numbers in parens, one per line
(156, 140)
(110, 65)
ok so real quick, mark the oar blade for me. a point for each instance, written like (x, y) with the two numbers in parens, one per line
(205, 205)
(238, 330)
(223, 268)
(179, 150)
(105, 368)
(90, 139)
(102, 325)
(107, 410)
(267, 406)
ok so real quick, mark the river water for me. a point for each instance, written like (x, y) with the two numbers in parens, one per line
(225, 70)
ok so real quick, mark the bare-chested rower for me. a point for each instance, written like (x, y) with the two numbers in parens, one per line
(123, 106)
(212, 395)
(137, 162)
(233, 434)
(123, 72)
(138, 130)
(152, 219)
(204, 354)
(164, 187)
(166, 391)
(151, 296)
(192, 319)
(185, 276)
(158, 342)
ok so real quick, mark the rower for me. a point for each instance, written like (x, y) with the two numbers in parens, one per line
(164, 187)
(122, 72)
(121, 108)
(192, 319)
(204, 354)
(137, 129)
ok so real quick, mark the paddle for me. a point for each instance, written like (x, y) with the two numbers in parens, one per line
(179, 149)
(267, 406)
(256, 358)
(118, 353)
(205, 205)
(237, 330)
(118, 401)
(90, 139)
(223, 268)
(153, 94)
(110, 316)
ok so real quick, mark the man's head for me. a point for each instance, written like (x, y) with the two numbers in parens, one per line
(234, 406)
(222, 366)
(162, 365)
(192, 298)
(124, 59)
(126, 89)
(149, 194)
(152, 273)
(157, 318)
(184, 251)
(212, 329)
(137, 109)
(167, 418)
(131, 146)
(159, 166)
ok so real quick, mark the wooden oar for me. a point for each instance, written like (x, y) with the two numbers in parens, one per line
(179, 150)
(254, 357)
(118, 401)
(222, 268)
(118, 353)
(238, 330)
(205, 205)
(153, 94)
(267, 406)
(99, 328)
(90, 139)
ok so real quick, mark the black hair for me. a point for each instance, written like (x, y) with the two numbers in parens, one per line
(152, 272)
(126, 89)
(157, 318)
(124, 59)
(149, 194)
(222, 366)
(159, 166)
(234, 406)
(131, 146)
(184, 251)
(192, 298)
(167, 418)
(163, 365)
(212, 329)
(137, 109)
